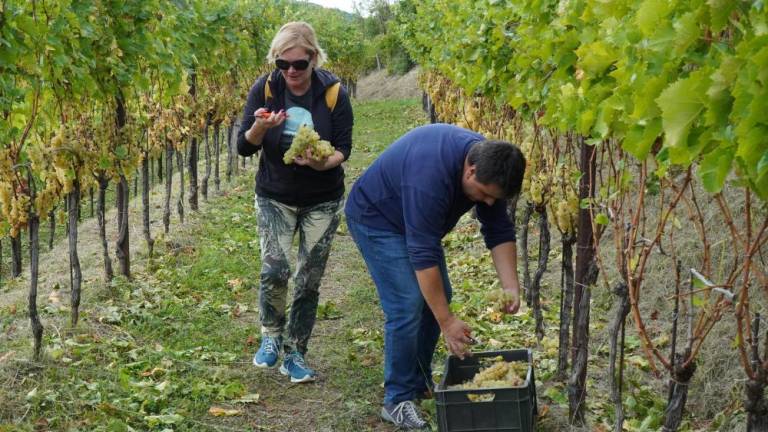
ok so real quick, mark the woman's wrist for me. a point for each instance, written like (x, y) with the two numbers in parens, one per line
(251, 135)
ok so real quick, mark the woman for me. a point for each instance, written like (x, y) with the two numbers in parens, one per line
(305, 195)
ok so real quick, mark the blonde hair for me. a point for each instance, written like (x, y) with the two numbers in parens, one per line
(296, 34)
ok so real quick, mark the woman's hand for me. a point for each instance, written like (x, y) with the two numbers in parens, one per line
(267, 120)
(264, 120)
(308, 160)
(323, 164)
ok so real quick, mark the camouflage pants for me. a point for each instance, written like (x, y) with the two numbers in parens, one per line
(278, 223)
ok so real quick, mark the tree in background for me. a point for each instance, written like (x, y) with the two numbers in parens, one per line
(384, 49)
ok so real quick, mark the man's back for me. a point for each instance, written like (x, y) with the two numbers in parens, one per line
(415, 189)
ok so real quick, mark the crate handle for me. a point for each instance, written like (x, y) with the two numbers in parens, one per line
(481, 397)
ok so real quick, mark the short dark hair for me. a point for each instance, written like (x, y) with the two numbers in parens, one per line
(499, 163)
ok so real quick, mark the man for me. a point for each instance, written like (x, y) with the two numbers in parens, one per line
(397, 212)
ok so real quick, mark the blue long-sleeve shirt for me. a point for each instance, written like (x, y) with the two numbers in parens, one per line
(414, 189)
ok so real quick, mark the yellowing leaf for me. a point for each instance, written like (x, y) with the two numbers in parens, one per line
(222, 412)
(249, 398)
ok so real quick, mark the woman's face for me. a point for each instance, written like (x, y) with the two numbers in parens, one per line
(296, 79)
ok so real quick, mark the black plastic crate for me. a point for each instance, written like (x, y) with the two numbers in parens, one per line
(501, 409)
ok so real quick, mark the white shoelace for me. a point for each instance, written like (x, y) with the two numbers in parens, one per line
(298, 360)
(271, 346)
(406, 412)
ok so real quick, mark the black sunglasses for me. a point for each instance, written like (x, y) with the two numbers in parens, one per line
(298, 65)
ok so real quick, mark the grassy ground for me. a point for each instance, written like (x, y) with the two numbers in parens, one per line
(171, 349)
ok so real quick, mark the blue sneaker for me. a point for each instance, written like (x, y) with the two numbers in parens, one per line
(266, 356)
(294, 366)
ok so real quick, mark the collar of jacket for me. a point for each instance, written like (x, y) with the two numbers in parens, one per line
(321, 80)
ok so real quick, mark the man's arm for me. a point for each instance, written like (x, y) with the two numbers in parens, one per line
(455, 331)
(505, 260)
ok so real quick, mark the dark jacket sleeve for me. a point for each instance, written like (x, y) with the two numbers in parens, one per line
(496, 225)
(342, 121)
(255, 101)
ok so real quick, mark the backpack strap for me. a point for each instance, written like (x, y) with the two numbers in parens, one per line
(268, 89)
(331, 93)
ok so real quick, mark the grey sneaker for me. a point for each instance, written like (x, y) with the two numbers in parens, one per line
(403, 415)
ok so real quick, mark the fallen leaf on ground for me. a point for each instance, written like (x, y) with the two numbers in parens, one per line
(249, 398)
(222, 412)
(152, 372)
(6, 356)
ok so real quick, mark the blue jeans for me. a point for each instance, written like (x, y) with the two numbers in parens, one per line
(410, 330)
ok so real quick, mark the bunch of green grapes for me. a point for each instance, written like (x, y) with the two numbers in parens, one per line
(19, 214)
(564, 202)
(499, 297)
(500, 374)
(307, 139)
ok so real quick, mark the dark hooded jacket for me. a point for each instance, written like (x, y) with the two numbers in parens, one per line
(293, 184)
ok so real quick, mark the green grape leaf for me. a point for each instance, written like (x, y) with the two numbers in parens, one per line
(687, 30)
(650, 14)
(719, 13)
(715, 167)
(602, 219)
(681, 104)
(639, 139)
(595, 57)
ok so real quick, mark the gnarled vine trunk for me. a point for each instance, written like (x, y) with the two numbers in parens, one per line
(193, 153)
(566, 306)
(16, 256)
(51, 227)
(586, 276)
(230, 151)
(678, 392)
(123, 250)
(76, 274)
(101, 208)
(34, 274)
(217, 155)
(542, 267)
(527, 212)
(180, 168)
(168, 185)
(145, 205)
(207, 175)
(616, 334)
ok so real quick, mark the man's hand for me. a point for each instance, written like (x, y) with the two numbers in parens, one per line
(455, 332)
(512, 302)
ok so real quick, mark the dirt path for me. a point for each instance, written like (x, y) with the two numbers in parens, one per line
(380, 85)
